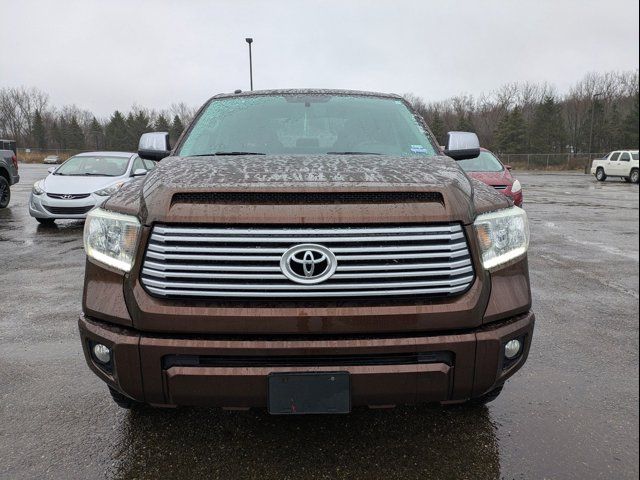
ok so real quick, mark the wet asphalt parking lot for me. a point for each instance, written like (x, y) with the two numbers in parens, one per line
(571, 412)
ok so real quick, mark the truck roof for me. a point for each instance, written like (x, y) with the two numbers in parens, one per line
(308, 91)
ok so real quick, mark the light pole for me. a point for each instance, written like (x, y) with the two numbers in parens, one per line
(250, 41)
(593, 111)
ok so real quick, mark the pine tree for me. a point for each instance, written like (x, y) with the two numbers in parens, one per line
(39, 133)
(116, 134)
(63, 133)
(137, 125)
(631, 126)
(176, 129)
(616, 130)
(75, 137)
(162, 124)
(511, 133)
(55, 134)
(464, 123)
(437, 127)
(548, 132)
(96, 135)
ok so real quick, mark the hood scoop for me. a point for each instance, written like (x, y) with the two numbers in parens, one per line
(305, 198)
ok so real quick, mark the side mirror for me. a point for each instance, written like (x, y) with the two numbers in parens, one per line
(508, 167)
(462, 145)
(51, 169)
(154, 146)
(139, 172)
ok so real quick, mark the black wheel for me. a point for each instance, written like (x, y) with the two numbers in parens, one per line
(47, 222)
(600, 175)
(5, 192)
(122, 400)
(487, 397)
(635, 176)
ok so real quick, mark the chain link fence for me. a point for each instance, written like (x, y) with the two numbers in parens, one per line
(550, 161)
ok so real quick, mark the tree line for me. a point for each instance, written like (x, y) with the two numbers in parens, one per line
(27, 117)
(599, 113)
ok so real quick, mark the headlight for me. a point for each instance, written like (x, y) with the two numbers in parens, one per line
(503, 236)
(105, 192)
(37, 188)
(516, 187)
(111, 238)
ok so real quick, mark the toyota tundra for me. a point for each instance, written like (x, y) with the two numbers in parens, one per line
(306, 251)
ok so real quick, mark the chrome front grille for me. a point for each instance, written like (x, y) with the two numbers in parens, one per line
(239, 263)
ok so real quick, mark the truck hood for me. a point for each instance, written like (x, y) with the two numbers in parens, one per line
(298, 173)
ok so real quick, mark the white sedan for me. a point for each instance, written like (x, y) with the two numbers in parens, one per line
(82, 183)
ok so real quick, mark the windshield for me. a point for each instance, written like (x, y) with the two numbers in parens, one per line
(307, 124)
(94, 165)
(485, 162)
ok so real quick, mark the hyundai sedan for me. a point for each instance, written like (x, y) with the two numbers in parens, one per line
(82, 183)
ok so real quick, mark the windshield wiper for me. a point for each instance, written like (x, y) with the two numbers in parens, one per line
(221, 154)
(353, 153)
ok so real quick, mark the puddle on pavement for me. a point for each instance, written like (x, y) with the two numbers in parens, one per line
(402, 443)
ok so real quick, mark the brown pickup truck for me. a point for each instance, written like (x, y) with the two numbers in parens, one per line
(306, 251)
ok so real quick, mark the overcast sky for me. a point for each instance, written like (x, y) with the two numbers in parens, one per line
(103, 55)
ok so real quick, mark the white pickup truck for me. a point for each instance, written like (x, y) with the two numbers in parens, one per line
(621, 163)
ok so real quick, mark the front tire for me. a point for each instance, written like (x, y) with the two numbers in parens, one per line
(122, 400)
(635, 176)
(600, 175)
(5, 192)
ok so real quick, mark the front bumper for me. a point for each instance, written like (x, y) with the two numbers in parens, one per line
(232, 372)
(42, 206)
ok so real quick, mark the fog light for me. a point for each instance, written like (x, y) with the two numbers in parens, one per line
(512, 349)
(102, 353)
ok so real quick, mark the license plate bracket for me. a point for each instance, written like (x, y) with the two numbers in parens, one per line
(299, 393)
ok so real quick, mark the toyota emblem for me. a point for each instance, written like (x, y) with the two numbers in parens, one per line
(308, 263)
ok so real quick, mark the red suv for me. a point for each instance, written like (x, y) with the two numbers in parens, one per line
(488, 169)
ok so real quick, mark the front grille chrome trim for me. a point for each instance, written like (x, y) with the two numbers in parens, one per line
(209, 262)
(364, 293)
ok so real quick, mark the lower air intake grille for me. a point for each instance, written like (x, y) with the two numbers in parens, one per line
(247, 263)
(68, 210)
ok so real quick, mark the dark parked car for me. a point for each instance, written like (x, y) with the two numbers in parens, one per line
(8, 171)
(306, 251)
(487, 168)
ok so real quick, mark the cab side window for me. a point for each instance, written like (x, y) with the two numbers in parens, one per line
(625, 157)
(614, 157)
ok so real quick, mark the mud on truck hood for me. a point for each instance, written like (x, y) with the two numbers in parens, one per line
(153, 199)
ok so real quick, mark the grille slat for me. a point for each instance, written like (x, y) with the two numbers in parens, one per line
(294, 286)
(379, 261)
(280, 276)
(280, 251)
(276, 239)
